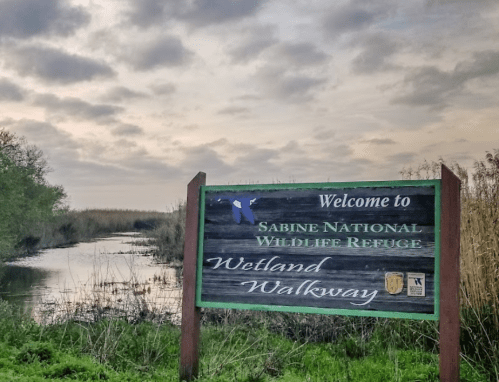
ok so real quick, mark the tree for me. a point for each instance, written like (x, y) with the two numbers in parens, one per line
(26, 197)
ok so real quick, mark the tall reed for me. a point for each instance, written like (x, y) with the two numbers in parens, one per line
(479, 229)
(168, 237)
(72, 226)
(479, 262)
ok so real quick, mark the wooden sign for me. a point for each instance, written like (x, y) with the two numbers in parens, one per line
(366, 249)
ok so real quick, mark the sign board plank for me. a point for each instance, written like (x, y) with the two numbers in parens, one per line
(333, 248)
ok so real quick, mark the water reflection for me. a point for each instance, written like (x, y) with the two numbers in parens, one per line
(90, 280)
(17, 282)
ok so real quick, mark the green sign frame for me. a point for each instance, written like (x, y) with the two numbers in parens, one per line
(305, 189)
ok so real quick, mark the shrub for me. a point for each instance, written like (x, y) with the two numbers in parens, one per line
(42, 352)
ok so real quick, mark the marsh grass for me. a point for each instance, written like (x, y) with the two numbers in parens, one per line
(168, 237)
(479, 230)
(108, 294)
(70, 227)
(245, 346)
(118, 350)
(111, 349)
(479, 262)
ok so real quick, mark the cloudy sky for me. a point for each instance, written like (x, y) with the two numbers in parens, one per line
(129, 99)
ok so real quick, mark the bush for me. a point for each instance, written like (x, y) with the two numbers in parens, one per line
(42, 352)
(168, 237)
(25, 196)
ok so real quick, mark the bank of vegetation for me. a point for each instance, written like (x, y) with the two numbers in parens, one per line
(73, 226)
(253, 348)
(34, 214)
(479, 287)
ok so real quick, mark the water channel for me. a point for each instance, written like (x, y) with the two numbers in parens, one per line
(111, 276)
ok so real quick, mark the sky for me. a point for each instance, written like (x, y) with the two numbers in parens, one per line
(130, 99)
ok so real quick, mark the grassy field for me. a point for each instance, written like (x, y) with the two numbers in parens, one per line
(116, 350)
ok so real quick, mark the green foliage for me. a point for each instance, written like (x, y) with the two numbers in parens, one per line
(33, 214)
(42, 352)
(80, 369)
(249, 355)
(25, 196)
(115, 350)
(168, 237)
(480, 339)
(16, 326)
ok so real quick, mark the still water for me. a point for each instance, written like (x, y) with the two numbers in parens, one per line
(111, 274)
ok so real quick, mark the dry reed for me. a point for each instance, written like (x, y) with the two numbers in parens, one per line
(107, 294)
(479, 230)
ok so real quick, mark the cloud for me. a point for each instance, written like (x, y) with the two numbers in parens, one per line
(484, 64)
(163, 89)
(204, 158)
(196, 13)
(164, 52)
(207, 12)
(377, 49)
(275, 83)
(304, 162)
(248, 97)
(59, 147)
(191, 127)
(252, 42)
(348, 19)
(249, 50)
(123, 143)
(301, 54)
(292, 147)
(380, 141)
(126, 129)
(402, 158)
(222, 142)
(234, 110)
(356, 15)
(27, 18)
(321, 133)
(145, 13)
(430, 86)
(9, 91)
(122, 93)
(43, 133)
(53, 65)
(75, 108)
(256, 160)
(84, 163)
(255, 41)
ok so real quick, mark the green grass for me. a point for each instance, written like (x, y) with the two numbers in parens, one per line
(116, 350)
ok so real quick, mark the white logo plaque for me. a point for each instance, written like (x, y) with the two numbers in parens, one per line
(416, 284)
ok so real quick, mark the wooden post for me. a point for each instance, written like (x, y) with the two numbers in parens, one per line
(449, 277)
(189, 343)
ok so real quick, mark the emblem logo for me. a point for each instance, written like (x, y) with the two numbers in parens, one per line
(394, 282)
(241, 207)
(416, 284)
